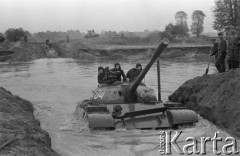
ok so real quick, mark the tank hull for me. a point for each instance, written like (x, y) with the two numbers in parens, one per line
(138, 116)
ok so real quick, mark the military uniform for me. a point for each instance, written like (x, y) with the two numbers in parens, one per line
(101, 76)
(119, 74)
(133, 73)
(111, 77)
(221, 55)
(107, 76)
(214, 50)
(233, 60)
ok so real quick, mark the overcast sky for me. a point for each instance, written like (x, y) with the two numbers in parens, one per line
(114, 15)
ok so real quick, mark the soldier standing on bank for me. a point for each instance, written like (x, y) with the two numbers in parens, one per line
(233, 60)
(214, 48)
(221, 55)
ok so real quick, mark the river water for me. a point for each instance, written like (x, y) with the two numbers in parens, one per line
(55, 86)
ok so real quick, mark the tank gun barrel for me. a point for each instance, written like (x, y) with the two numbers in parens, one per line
(157, 53)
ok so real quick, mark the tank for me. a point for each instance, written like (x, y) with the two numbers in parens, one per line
(91, 34)
(133, 105)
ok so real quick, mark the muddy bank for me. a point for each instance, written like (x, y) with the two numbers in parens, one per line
(20, 132)
(188, 52)
(85, 51)
(26, 51)
(215, 97)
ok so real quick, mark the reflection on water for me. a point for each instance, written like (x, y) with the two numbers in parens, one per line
(55, 86)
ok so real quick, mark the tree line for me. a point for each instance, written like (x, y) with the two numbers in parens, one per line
(180, 29)
(226, 15)
(173, 32)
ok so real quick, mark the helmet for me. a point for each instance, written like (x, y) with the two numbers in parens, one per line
(138, 65)
(106, 69)
(100, 68)
(116, 64)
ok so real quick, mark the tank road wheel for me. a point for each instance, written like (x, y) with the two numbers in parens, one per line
(181, 116)
(101, 121)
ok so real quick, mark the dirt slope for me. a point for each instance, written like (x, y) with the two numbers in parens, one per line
(20, 132)
(83, 50)
(215, 97)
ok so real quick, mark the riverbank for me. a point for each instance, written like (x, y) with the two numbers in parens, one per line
(142, 52)
(20, 132)
(215, 97)
(84, 50)
(24, 51)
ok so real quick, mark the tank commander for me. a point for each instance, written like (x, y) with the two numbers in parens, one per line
(101, 75)
(119, 72)
(111, 77)
(133, 73)
(105, 76)
(221, 54)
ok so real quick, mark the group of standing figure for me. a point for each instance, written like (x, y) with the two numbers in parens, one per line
(116, 74)
(221, 48)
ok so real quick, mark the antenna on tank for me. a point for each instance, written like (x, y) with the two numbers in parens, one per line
(159, 80)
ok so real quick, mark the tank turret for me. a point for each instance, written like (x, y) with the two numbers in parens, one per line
(133, 92)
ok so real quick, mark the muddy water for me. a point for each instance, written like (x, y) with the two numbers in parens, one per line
(55, 86)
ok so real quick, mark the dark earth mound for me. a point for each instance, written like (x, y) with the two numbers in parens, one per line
(84, 51)
(20, 132)
(215, 97)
